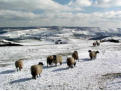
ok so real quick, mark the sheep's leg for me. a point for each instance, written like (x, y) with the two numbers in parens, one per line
(35, 77)
(78, 59)
(95, 57)
(17, 69)
(20, 69)
(60, 63)
(75, 64)
(72, 66)
(55, 64)
(39, 75)
(32, 77)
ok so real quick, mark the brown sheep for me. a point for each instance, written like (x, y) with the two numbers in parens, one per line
(102, 41)
(71, 62)
(19, 64)
(49, 60)
(57, 59)
(93, 54)
(36, 70)
(75, 55)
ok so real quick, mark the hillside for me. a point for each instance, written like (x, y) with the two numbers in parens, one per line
(101, 73)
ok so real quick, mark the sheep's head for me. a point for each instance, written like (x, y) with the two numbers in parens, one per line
(75, 52)
(97, 51)
(89, 51)
(54, 57)
(40, 63)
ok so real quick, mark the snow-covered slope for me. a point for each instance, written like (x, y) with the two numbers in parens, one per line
(101, 73)
(60, 32)
(86, 75)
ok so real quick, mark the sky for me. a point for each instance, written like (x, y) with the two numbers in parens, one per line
(89, 13)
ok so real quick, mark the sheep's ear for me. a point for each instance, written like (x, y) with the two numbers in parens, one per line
(89, 50)
(97, 51)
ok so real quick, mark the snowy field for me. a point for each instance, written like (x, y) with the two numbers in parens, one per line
(101, 73)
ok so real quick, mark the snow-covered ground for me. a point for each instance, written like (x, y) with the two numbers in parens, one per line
(101, 73)
(86, 75)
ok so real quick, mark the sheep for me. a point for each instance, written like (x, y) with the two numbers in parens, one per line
(94, 44)
(36, 70)
(71, 62)
(93, 54)
(75, 55)
(57, 59)
(49, 60)
(103, 40)
(19, 64)
(97, 43)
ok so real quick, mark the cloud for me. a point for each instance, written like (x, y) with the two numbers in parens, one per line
(18, 18)
(95, 3)
(10, 14)
(96, 19)
(107, 3)
(22, 13)
(30, 5)
(78, 4)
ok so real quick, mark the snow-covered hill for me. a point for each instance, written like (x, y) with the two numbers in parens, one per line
(58, 32)
(101, 73)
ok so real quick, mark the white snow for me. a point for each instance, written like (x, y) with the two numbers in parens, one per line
(20, 33)
(86, 75)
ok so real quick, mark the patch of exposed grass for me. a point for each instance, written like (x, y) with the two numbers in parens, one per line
(112, 75)
(107, 77)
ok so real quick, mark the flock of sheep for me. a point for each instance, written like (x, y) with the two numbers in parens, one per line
(36, 70)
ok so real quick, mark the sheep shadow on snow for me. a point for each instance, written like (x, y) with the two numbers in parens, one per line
(20, 80)
(86, 59)
(118, 82)
(7, 72)
(60, 69)
(45, 67)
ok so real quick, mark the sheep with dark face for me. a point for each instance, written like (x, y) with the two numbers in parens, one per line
(57, 59)
(97, 43)
(71, 62)
(75, 55)
(49, 60)
(36, 70)
(19, 64)
(93, 54)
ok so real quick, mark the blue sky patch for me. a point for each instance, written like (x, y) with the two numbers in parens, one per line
(62, 1)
